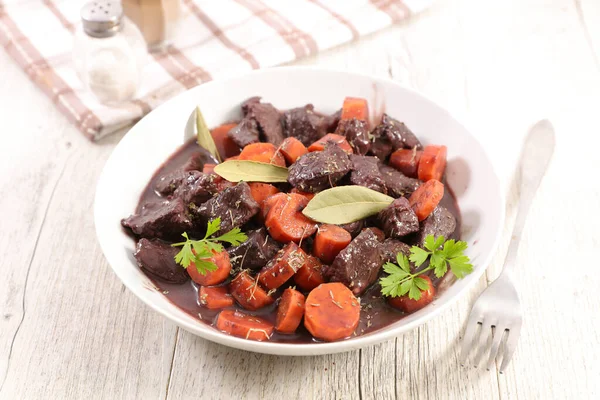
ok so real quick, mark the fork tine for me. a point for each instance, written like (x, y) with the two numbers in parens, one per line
(498, 335)
(484, 338)
(467, 341)
(510, 345)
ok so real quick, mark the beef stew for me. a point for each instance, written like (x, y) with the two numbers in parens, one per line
(265, 287)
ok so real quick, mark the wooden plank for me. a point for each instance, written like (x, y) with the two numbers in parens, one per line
(66, 319)
(202, 368)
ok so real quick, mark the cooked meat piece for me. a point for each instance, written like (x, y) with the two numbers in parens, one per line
(398, 219)
(365, 172)
(354, 227)
(245, 133)
(390, 248)
(158, 258)
(391, 135)
(396, 182)
(381, 149)
(195, 162)
(356, 133)
(330, 122)
(167, 184)
(235, 206)
(268, 120)
(197, 188)
(246, 104)
(305, 124)
(357, 266)
(440, 222)
(255, 252)
(165, 219)
(319, 170)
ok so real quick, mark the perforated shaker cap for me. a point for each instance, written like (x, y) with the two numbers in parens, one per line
(102, 18)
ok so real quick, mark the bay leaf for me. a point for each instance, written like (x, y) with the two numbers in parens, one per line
(251, 171)
(204, 138)
(345, 204)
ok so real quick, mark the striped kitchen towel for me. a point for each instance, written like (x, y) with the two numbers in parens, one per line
(215, 39)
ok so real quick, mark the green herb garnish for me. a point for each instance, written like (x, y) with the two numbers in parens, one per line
(441, 253)
(199, 252)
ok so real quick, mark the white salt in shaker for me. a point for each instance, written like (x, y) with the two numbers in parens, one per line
(109, 52)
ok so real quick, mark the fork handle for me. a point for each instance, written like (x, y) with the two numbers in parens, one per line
(535, 157)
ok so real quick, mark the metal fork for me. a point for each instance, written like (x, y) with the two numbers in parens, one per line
(497, 311)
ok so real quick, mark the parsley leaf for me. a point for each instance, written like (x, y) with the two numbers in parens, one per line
(199, 252)
(440, 252)
(234, 237)
(212, 227)
(418, 255)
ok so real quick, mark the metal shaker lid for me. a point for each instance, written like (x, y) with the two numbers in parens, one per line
(102, 18)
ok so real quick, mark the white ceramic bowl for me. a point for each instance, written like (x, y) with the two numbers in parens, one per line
(150, 142)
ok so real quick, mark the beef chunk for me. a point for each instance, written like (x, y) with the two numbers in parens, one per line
(354, 228)
(197, 188)
(195, 162)
(440, 222)
(330, 122)
(390, 248)
(167, 184)
(235, 206)
(357, 266)
(356, 133)
(396, 182)
(319, 170)
(165, 219)
(398, 219)
(158, 258)
(269, 122)
(305, 124)
(245, 133)
(248, 103)
(255, 252)
(391, 135)
(365, 172)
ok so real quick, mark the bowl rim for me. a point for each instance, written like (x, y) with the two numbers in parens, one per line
(316, 348)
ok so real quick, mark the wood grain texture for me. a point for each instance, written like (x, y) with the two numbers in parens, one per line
(69, 329)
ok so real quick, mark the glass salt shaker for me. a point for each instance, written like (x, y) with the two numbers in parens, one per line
(109, 52)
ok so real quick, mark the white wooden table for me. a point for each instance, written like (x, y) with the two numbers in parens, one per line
(69, 329)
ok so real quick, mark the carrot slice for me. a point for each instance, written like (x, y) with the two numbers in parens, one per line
(332, 312)
(247, 292)
(426, 198)
(309, 196)
(433, 163)
(341, 141)
(290, 311)
(267, 204)
(225, 146)
(285, 221)
(329, 241)
(355, 107)
(263, 152)
(260, 191)
(282, 267)
(292, 149)
(215, 297)
(406, 161)
(209, 168)
(309, 276)
(242, 325)
(408, 305)
(232, 158)
(221, 260)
